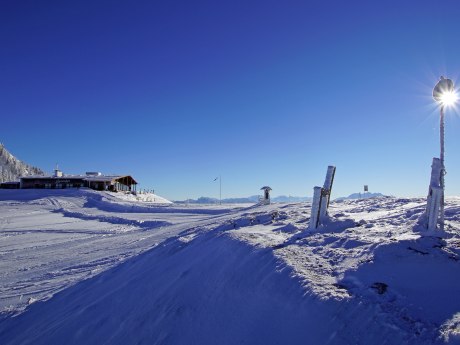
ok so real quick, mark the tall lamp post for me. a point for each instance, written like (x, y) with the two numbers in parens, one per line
(444, 95)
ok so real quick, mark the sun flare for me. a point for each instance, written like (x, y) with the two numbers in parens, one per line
(449, 98)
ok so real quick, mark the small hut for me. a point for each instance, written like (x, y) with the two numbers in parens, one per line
(265, 199)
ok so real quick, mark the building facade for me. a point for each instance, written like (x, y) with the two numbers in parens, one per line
(96, 181)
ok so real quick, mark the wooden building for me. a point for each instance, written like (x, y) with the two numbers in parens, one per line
(96, 181)
(9, 185)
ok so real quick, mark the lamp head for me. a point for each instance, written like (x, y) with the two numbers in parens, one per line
(444, 92)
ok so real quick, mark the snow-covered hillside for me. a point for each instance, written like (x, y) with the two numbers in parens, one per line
(12, 168)
(91, 269)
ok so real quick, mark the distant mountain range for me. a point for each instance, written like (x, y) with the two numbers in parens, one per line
(245, 200)
(280, 199)
(361, 196)
(12, 168)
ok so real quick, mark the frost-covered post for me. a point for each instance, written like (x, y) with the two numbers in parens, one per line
(326, 192)
(434, 198)
(432, 201)
(443, 93)
(321, 199)
(433, 207)
(315, 207)
(443, 168)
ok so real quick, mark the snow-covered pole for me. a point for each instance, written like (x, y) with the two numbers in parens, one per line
(321, 198)
(443, 93)
(315, 207)
(326, 192)
(443, 169)
(434, 195)
(433, 207)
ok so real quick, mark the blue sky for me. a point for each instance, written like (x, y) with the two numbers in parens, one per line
(261, 92)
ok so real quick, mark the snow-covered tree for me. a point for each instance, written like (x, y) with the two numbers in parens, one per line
(12, 168)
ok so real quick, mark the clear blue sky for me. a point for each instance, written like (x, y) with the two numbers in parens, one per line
(262, 92)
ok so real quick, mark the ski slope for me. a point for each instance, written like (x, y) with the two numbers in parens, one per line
(85, 267)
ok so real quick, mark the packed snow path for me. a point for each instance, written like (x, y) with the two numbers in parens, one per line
(105, 271)
(50, 239)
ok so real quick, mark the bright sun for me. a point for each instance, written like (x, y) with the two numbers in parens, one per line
(449, 98)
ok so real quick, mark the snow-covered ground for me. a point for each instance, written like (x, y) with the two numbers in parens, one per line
(141, 196)
(85, 267)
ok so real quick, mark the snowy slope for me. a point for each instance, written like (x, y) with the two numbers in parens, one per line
(50, 239)
(107, 272)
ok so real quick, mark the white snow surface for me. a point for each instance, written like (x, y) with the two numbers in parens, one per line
(142, 197)
(85, 267)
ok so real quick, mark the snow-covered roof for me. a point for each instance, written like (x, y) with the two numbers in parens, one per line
(47, 177)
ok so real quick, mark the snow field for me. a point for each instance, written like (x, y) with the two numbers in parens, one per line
(97, 270)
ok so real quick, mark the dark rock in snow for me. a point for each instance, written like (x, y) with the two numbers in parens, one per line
(380, 287)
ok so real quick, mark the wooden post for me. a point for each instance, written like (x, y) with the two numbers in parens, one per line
(434, 198)
(315, 208)
(433, 211)
(326, 192)
(321, 199)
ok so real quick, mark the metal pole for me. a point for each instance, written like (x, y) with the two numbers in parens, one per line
(443, 170)
(220, 190)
